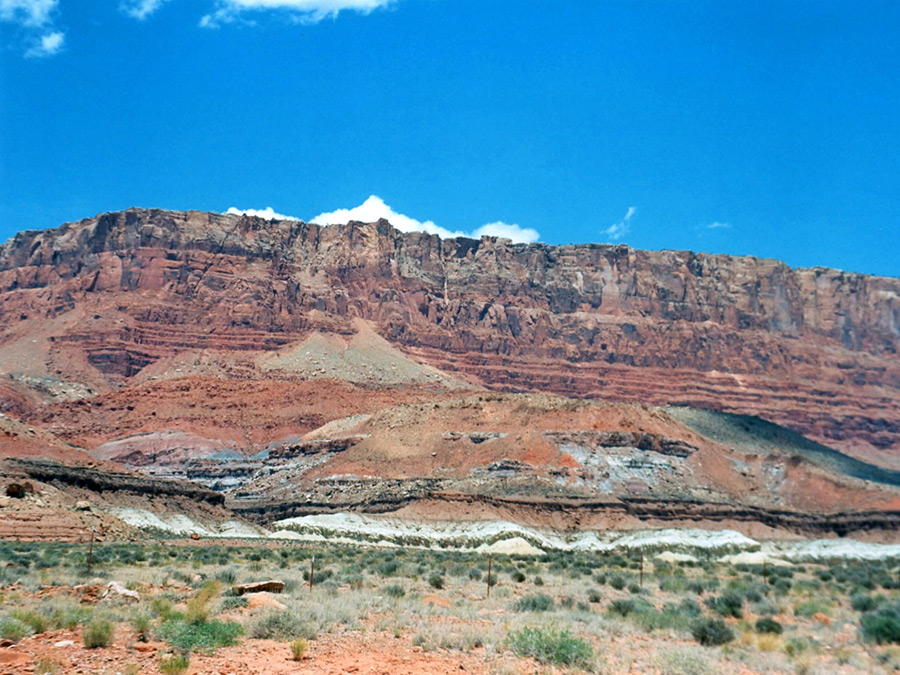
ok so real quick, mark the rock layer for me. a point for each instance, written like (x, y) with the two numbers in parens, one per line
(106, 300)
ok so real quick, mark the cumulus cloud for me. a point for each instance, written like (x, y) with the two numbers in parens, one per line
(374, 209)
(618, 230)
(718, 226)
(46, 45)
(268, 213)
(31, 13)
(303, 11)
(35, 17)
(141, 9)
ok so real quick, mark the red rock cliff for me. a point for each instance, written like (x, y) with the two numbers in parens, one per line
(816, 349)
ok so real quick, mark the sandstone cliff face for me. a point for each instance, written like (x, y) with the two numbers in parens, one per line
(814, 349)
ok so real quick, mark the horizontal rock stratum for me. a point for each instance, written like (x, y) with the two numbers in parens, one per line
(129, 296)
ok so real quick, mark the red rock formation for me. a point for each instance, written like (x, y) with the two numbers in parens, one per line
(100, 300)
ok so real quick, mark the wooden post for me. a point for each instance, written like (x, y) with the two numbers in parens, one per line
(312, 571)
(765, 572)
(490, 560)
(642, 568)
(91, 553)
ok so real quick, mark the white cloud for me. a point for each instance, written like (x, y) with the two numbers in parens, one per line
(268, 213)
(47, 45)
(374, 209)
(31, 13)
(141, 9)
(304, 11)
(519, 235)
(36, 18)
(718, 226)
(618, 230)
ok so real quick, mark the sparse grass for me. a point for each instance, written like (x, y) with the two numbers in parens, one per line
(298, 648)
(175, 664)
(204, 636)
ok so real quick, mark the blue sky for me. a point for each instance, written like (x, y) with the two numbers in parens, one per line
(758, 128)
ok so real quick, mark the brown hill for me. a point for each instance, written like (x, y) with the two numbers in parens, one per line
(143, 296)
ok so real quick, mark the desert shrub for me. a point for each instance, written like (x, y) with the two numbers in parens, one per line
(281, 624)
(175, 664)
(883, 625)
(685, 661)
(298, 648)
(711, 632)
(634, 589)
(538, 581)
(227, 576)
(98, 633)
(436, 580)
(200, 606)
(35, 621)
(517, 576)
(862, 602)
(203, 636)
(141, 626)
(622, 607)
(807, 609)
(695, 586)
(617, 581)
(475, 574)
(593, 595)
(388, 568)
(534, 603)
(13, 629)
(769, 625)
(394, 591)
(551, 646)
(727, 604)
(233, 602)
(567, 602)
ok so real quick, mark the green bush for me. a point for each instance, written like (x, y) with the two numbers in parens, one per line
(862, 602)
(551, 646)
(593, 595)
(883, 625)
(13, 629)
(394, 591)
(436, 580)
(35, 621)
(98, 633)
(534, 603)
(727, 604)
(807, 609)
(710, 632)
(769, 625)
(203, 636)
(617, 582)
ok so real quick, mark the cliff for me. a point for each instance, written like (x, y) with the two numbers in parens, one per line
(109, 300)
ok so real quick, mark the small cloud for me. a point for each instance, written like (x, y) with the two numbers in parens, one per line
(36, 18)
(30, 13)
(618, 230)
(718, 226)
(303, 11)
(47, 45)
(374, 209)
(518, 234)
(268, 213)
(141, 9)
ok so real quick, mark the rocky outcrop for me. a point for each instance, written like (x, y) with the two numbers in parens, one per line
(102, 480)
(815, 349)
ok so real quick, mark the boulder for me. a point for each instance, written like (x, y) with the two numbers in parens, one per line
(259, 587)
(116, 591)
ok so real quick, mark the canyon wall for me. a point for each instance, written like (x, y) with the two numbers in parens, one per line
(101, 300)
